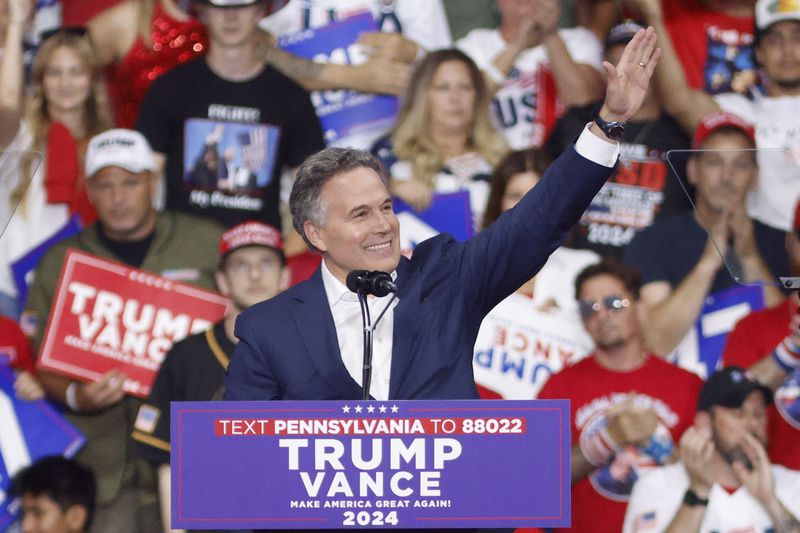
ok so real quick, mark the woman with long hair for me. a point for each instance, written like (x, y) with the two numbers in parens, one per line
(444, 140)
(42, 167)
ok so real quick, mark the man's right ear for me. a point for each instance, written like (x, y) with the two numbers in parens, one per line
(315, 235)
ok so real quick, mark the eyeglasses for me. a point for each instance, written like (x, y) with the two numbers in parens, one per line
(589, 308)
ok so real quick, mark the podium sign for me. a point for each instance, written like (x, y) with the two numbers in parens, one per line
(359, 464)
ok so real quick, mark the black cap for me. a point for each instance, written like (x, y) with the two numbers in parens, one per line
(623, 32)
(729, 387)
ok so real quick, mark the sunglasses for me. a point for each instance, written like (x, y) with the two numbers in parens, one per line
(589, 308)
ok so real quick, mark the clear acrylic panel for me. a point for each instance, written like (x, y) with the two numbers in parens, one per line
(736, 192)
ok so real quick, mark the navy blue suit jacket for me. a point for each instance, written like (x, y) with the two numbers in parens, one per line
(288, 347)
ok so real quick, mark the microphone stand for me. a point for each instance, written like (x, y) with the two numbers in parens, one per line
(366, 373)
(369, 329)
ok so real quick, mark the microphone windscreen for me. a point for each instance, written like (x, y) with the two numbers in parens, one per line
(356, 279)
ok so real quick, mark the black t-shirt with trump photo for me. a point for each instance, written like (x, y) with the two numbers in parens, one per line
(226, 142)
(643, 188)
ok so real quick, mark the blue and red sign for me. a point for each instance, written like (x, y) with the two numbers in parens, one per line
(342, 112)
(407, 464)
(28, 431)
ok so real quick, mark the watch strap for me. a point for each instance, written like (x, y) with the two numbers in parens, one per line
(691, 499)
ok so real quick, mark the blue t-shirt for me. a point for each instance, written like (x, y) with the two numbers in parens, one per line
(669, 250)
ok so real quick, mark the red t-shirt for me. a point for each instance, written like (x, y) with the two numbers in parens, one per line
(754, 337)
(715, 49)
(599, 500)
(15, 350)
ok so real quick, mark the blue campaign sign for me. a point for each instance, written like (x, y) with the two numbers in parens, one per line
(700, 351)
(357, 464)
(29, 430)
(342, 112)
(448, 213)
(27, 263)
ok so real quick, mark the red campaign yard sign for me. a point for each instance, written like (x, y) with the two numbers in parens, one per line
(107, 316)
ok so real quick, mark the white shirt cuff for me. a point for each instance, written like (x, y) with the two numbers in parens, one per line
(596, 149)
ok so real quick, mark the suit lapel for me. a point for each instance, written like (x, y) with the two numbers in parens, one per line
(406, 326)
(313, 316)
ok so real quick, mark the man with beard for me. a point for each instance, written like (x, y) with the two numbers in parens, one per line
(724, 480)
(252, 268)
(627, 406)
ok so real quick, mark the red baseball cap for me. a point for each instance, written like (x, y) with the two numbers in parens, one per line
(721, 119)
(251, 233)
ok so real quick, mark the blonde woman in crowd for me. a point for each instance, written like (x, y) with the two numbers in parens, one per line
(40, 169)
(444, 140)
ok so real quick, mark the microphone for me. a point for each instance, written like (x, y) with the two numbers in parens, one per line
(376, 282)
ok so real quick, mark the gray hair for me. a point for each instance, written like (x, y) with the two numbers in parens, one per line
(305, 202)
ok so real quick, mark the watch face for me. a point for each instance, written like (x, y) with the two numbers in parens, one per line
(615, 132)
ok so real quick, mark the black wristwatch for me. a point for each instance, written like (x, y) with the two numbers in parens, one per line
(691, 499)
(613, 129)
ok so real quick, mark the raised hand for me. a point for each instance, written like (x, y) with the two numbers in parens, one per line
(629, 424)
(757, 477)
(628, 81)
(697, 448)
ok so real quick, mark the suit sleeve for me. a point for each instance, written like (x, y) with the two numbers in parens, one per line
(250, 374)
(521, 240)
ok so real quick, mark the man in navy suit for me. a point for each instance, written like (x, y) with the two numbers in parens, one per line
(305, 344)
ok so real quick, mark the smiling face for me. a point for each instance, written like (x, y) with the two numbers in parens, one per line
(359, 229)
(66, 81)
(451, 98)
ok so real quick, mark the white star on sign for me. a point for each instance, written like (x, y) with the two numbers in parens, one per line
(382, 409)
(358, 409)
(346, 409)
(395, 408)
(370, 409)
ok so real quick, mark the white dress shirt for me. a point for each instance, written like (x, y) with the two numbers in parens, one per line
(349, 333)
(347, 312)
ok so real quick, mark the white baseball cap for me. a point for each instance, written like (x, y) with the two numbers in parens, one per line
(768, 12)
(126, 149)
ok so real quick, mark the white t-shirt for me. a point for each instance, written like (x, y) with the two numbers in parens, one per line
(658, 494)
(525, 108)
(34, 221)
(520, 344)
(422, 21)
(777, 126)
